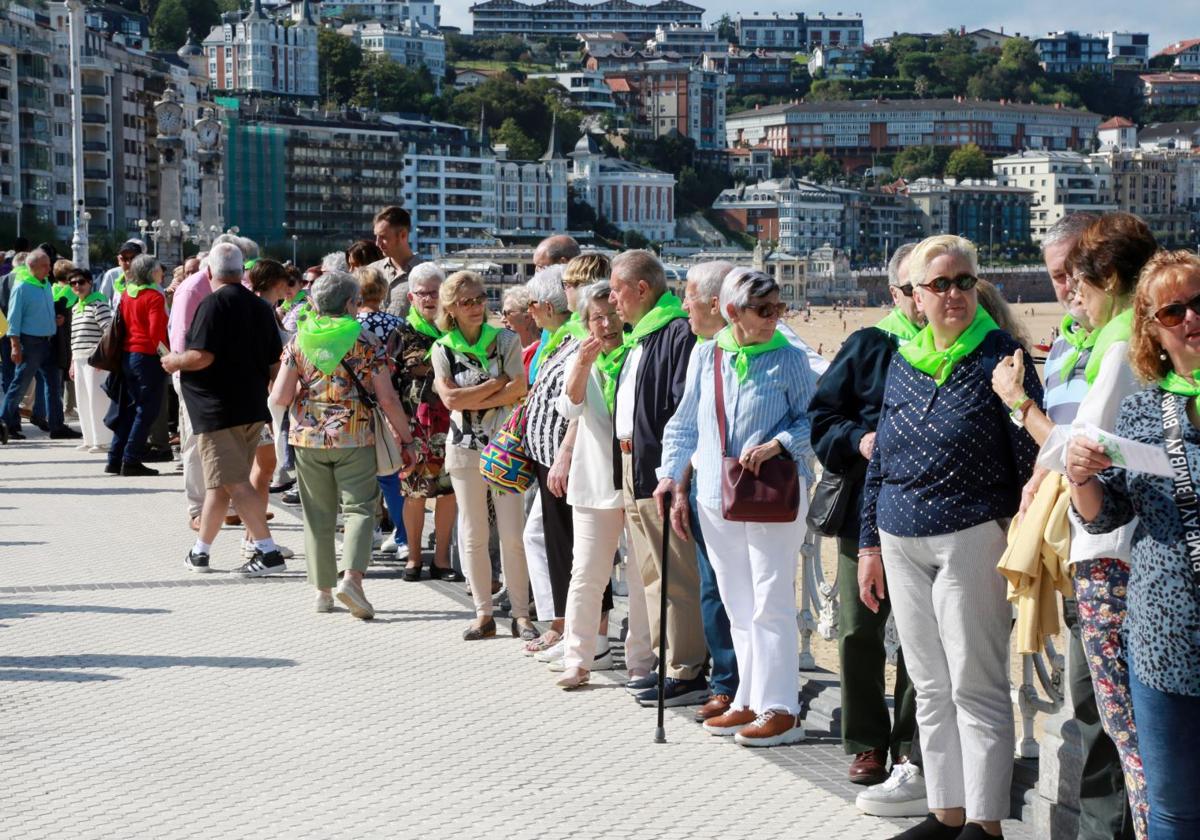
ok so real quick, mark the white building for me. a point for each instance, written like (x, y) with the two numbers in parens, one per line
(531, 195)
(1182, 136)
(1063, 183)
(1128, 49)
(844, 31)
(1117, 133)
(387, 12)
(839, 63)
(1146, 182)
(256, 54)
(781, 32)
(585, 87)
(628, 195)
(688, 42)
(409, 44)
(796, 215)
(1185, 53)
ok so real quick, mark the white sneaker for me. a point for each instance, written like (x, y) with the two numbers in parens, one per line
(96, 450)
(902, 795)
(324, 602)
(284, 552)
(555, 651)
(389, 545)
(84, 447)
(247, 548)
(377, 538)
(402, 551)
(351, 594)
(601, 662)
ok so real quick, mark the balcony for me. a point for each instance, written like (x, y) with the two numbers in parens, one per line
(95, 145)
(95, 119)
(95, 174)
(93, 90)
(95, 201)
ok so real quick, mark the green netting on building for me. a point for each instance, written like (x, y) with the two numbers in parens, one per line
(255, 166)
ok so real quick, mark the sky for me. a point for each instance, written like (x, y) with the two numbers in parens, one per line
(1166, 20)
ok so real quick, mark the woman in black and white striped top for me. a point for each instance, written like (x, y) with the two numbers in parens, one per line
(90, 316)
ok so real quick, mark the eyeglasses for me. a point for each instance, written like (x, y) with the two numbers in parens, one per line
(1173, 314)
(767, 310)
(507, 313)
(80, 282)
(425, 294)
(941, 285)
(600, 318)
(471, 303)
(906, 289)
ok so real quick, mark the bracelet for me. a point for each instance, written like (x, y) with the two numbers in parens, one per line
(1019, 404)
(1075, 483)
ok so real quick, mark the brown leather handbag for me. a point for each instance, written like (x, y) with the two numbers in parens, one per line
(771, 496)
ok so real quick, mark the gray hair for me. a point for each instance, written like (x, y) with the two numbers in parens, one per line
(898, 257)
(425, 271)
(20, 258)
(519, 295)
(641, 265)
(333, 291)
(248, 246)
(600, 290)
(932, 247)
(708, 277)
(229, 239)
(141, 270)
(1069, 228)
(225, 260)
(35, 255)
(335, 261)
(741, 285)
(547, 287)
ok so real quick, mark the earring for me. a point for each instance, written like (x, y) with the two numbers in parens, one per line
(1162, 357)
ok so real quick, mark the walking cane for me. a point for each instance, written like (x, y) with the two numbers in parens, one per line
(660, 733)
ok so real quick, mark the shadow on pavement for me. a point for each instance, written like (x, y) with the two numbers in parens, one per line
(54, 676)
(11, 610)
(139, 661)
(123, 490)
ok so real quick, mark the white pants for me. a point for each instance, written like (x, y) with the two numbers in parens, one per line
(534, 538)
(91, 402)
(189, 454)
(278, 412)
(755, 564)
(954, 622)
(597, 531)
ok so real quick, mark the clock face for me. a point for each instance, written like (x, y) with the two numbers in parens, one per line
(170, 119)
(208, 133)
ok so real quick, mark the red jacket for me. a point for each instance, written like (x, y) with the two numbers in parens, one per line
(145, 319)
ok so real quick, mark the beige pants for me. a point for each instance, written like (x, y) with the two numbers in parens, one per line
(471, 491)
(686, 650)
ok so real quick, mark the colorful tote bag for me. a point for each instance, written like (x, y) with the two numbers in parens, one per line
(504, 463)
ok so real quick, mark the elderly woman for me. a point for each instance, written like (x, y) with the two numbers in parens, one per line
(326, 368)
(1104, 265)
(514, 314)
(767, 385)
(139, 396)
(1162, 628)
(409, 350)
(90, 316)
(478, 374)
(939, 520)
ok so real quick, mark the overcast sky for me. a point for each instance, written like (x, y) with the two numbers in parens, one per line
(1165, 20)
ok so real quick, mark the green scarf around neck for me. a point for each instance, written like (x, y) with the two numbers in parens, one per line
(897, 323)
(133, 289)
(1176, 384)
(1120, 328)
(456, 342)
(286, 306)
(325, 340)
(64, 292)
(1079, 339)
(24, 275)
(609, 367)
(742, 354)
(576, 327)
(421, 324)
(923, 354)
(665, 310)
(119, 283)
(81, 305)
(556, 338)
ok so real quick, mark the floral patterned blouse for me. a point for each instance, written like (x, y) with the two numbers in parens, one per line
(328, 413)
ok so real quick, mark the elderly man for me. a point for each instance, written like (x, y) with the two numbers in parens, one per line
(844, 412)
(649, 385)
(554, 250)
(113, 282)
(32, 325)
(232, 352)
(392, 226)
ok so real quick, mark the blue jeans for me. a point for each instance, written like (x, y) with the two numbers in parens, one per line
(390, 485)
(724, 677)
(1169, 743)
(141, 400)
(37, 359)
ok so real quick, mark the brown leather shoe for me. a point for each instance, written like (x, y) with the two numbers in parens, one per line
(771, 729)
(730, 722)
(869, 768)
(716, 706)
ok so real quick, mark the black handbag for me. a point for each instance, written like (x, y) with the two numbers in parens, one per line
(832, 498)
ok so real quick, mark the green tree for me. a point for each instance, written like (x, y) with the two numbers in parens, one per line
(726, 30)
(1020, 56)
(202, 16)
(828, 90)
(520, 145)
(340, 60)
(168, 28)
(968, 161)
(920, 162)
(387, 85)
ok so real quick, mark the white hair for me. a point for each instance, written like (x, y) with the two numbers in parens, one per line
(229, 239)
(249, 247)
(547, 287)
(893, 267)
(225, 260)
(932, 247)
(741, 285)
(35, 255)
(425, 271)
(600, 290)
(708, 277)
(335, 261)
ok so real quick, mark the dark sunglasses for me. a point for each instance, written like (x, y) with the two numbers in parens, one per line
(80, 282)
(469, 303)
(767, 310)
(906, 289)
(1173, 314)
(941, 285)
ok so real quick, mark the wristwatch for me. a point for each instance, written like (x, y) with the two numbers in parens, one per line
(1019, 410)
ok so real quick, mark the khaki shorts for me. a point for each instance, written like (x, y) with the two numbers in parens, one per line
(226, 455)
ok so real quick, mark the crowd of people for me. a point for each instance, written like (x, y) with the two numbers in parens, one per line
(608, 417)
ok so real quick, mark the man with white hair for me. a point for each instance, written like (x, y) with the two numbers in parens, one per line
(233, 350)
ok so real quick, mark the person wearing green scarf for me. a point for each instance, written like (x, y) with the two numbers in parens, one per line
(419, 323)
(90, 316)
(325, 340)
(62, 291)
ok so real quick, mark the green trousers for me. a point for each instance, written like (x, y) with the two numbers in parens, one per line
(331, 480)
(866, 724)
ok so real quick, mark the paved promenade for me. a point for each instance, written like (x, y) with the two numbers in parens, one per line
(139, 700)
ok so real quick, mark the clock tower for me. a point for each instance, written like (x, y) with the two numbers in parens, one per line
(169, 113)
(208, 153)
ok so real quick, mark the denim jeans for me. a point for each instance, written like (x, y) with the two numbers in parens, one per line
(37, 359)
(141, 401)
(390, 486)
(1169, 742)
(724, 677)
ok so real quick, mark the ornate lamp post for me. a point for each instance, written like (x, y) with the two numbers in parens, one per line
(79, 239)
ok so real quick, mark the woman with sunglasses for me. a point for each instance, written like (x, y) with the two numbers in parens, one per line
(944, 478)
(90, 316)
(1161, 630)
(479, 376)
(1104, 265)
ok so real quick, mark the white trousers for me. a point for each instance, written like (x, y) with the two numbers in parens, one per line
(597, 531)
(534, 538)
(755, 564)
(91, 402)
(189, 454)
(954, 622)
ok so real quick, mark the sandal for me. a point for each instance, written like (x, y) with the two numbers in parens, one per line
(525, 632)
(547, 639)
(450, 575)
(412, 573)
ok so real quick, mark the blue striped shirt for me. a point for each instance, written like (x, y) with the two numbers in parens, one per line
(772, 404)
(1064, 394)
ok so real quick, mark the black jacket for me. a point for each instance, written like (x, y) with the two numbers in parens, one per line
(660, 379)
(846, 407)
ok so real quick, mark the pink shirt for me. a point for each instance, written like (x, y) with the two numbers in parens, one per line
(183, 307)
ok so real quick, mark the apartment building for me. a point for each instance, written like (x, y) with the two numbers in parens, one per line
(630, 196)
(564, 18)
(752, 70)
(687, 42)
(408, 43)
(586, 88)
(1070, 52)
(666, 97)
(800, 33)
(1171, 88)
(1063, 182)
(531, 195)
(1128, 50)
(1186, 54)
(388, 12)
(254, 53)
(1147, 182)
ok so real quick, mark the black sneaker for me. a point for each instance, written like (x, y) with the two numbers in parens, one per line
(16, 434)
(282, 486)
(261, 565)
(693, 692)
(40, 423)
(642, 683)
(133, 469)
(112, 469)
(197, 562)
(155, 455)
(3, 434)
(931, 829)
(66, 433)
(291, 497)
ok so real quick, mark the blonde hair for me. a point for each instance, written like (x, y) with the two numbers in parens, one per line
(585, 269)
(1146, 355)
(930, 248)
(996, 306)
(448, 296)
(371, 285)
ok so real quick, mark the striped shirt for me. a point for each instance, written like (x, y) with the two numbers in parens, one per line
(544, 425)
(772, 404)
(88, 326)
(1064, 389)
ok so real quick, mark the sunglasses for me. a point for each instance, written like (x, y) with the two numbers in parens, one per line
(1173, 314)
(906, 289)
(80, 282)
(471, 303)
(941, 285)
(767, 310)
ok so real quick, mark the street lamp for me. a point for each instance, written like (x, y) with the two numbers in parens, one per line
(18, 204)
(294, 238)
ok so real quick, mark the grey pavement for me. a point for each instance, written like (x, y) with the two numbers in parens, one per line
(139, 700)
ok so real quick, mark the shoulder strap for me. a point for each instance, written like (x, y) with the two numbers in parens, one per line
(720, 397)
(363, 394)
(1185, 490)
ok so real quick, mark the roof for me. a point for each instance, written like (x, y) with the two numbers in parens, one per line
(617, 84)
(907, 105)
(1115, 122)
(1158, 131)
(1178, 78)
(1180, 46)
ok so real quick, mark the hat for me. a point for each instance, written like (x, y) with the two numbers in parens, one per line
(132, 245)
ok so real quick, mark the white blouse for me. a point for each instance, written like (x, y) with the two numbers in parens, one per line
(590, 482)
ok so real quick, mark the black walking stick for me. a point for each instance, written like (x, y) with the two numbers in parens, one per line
(660, 733)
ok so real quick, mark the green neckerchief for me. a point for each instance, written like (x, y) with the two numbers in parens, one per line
(665, 310)
(576, 327)
(63, 291)
(923, 355)
(1120, 328)
(326, 340)
(133, 289)
(92, 298)
(24, 275)
(1079, 339)
(286, 305)
(1176, 384)
(421, 324)
(896, 323)
(742, 354)
(556, 338)
(249, 264)
(609, 366)
(455, 341)
(119, 284)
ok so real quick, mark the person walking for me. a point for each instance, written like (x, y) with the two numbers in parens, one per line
(90, 317)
